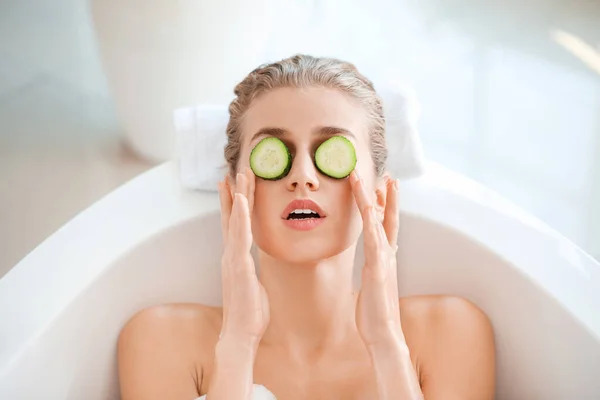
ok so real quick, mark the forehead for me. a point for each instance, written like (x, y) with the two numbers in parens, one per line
(303, 111)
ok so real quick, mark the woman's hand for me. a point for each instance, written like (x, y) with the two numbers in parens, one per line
(377, 308)
(245, 303)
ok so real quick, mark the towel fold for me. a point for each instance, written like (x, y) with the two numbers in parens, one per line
(259, 393)
(201, 140)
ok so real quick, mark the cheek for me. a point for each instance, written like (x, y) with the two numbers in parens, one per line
(352, 214)
(345, 203)
(345, 211)
(342, 230)
(262, 200)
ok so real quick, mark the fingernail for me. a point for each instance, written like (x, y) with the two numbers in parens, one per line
(396, 184)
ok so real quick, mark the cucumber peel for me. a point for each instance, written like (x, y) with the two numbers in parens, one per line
(270, 159)
(336, 157)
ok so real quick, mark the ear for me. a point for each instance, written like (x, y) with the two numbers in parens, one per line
(381, 195)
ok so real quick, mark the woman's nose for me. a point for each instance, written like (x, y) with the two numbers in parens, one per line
(303, 173)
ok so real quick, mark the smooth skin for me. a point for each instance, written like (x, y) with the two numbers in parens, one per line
(300, 328)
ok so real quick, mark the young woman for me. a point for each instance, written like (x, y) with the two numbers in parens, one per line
(301, 330)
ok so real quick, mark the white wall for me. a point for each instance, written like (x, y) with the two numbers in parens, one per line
(501, 102)
(49, 38)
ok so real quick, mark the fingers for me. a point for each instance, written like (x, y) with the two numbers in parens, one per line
(367, 210)
(371, 235)
(226, 204)
(251, 186)
(391, 214)
(240, 231)
(238, 272)
(378, 237)
(360, 193)
(241, 184)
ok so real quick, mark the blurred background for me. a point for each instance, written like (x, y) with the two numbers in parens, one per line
(509, 92)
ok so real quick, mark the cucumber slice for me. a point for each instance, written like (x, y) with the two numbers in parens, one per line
(336, 157)
(270, 159)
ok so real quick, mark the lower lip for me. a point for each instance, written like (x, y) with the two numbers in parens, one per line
(303, 224)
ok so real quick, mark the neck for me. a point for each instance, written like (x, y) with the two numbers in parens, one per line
(312, 306)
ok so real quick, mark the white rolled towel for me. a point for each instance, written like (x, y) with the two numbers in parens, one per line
(202, 139)
(260, 393)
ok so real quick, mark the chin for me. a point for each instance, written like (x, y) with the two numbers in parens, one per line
(303, 247)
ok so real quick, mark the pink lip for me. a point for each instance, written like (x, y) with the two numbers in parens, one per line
(303, 224)
(303, 204)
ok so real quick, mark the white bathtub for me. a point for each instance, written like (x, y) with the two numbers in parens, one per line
(151, 242)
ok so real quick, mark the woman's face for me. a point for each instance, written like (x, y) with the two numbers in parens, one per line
(301, 115)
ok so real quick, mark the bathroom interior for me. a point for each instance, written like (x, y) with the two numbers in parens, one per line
(508, 93)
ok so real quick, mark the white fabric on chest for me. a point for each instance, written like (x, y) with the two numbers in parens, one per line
(260, 393)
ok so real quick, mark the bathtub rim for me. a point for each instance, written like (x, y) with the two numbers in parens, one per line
(61, 276)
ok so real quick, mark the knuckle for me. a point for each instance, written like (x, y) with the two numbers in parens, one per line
(241, 261)
(237, 259)
(229, 258)
(243, 274)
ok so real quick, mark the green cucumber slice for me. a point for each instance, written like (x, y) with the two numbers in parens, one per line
(336, 157)
(270, 159)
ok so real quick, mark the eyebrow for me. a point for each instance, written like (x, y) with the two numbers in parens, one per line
(321, 131)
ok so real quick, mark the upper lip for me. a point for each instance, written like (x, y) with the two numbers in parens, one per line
(302, 204)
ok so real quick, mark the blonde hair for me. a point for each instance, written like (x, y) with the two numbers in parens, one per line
(302, 71)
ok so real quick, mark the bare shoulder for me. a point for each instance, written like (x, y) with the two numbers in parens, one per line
(454, 344)
(438, 310)
(161, 350)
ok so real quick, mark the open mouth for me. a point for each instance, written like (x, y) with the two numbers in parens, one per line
(303, 214)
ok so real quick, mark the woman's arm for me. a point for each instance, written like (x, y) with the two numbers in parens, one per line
(458, 360)
(157, 352)
(378, 316)
(394, 373)
(232, 376)
(456, 353)
(245, 303)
